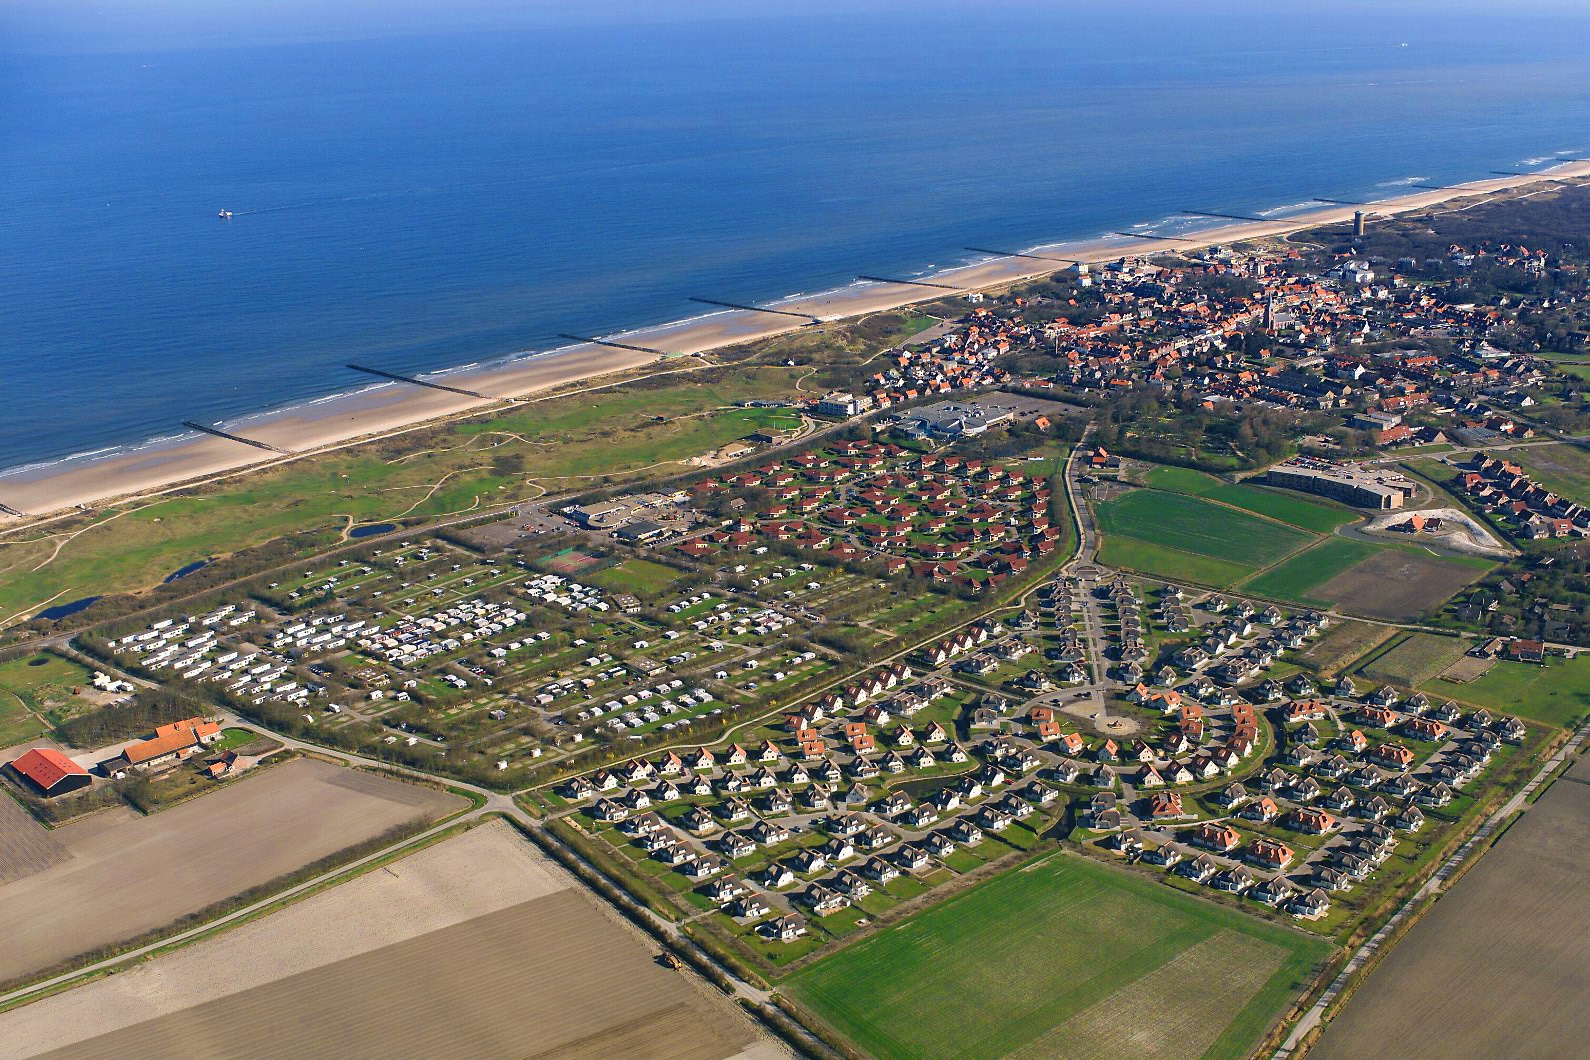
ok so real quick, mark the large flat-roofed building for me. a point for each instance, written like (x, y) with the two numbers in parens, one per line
(50, 773)
(1357, 484)
(603, 515)
(948, 419)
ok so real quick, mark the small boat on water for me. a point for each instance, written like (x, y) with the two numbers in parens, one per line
(225, 215)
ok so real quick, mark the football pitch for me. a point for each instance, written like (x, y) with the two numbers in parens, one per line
(1062, 957)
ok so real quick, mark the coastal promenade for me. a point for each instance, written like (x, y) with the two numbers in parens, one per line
(396, 406)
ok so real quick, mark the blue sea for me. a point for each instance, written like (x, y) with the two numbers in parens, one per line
(450, 193)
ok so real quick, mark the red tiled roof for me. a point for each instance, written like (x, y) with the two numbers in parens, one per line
(174, 737)
(47, 767)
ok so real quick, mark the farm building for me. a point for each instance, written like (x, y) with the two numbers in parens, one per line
(50, 773)
(170, 743)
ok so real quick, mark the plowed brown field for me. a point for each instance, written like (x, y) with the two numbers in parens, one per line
(127, 875)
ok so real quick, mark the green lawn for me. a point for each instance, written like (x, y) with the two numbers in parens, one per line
(234, 737)
(639, 576)
(41, 679)
(1197, 526)
(16, 724)
(1556, 694)
(1061, 957)
(1181, 480)
(1306, 571)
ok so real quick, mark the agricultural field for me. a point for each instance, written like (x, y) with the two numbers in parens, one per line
(1398, 586)
(1299, 577)
(25, 847)
(1184, 538)
(475, 946)
(126, 875)
(1496, 967)
(1316, 516)
(1171, 564)
(1344, 644)
(1413, 660)
(1556, 693)
(1062, 957)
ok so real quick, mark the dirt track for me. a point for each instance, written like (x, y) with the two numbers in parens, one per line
(1497, 968)
(128, 874)
(474, 947)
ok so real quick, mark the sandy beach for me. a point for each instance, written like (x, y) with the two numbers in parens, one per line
(312, 428)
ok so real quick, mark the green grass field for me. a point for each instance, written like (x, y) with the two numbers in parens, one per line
(31, 684)
(1197, 526)
(1296, 578)
(1171, 564)
(1181, 480)
(1276, 504)
(1304, 514)
(639, 576)
(41, 679)
(1062, 957)
(1555, 694)
(1564, 469)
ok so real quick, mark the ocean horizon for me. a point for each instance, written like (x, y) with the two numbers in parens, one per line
(427, 202)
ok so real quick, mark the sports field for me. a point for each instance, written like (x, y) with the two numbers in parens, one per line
(1062, 957)
(639, 576)
(1189, 524)
(1298, 577)
(1557, 693)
